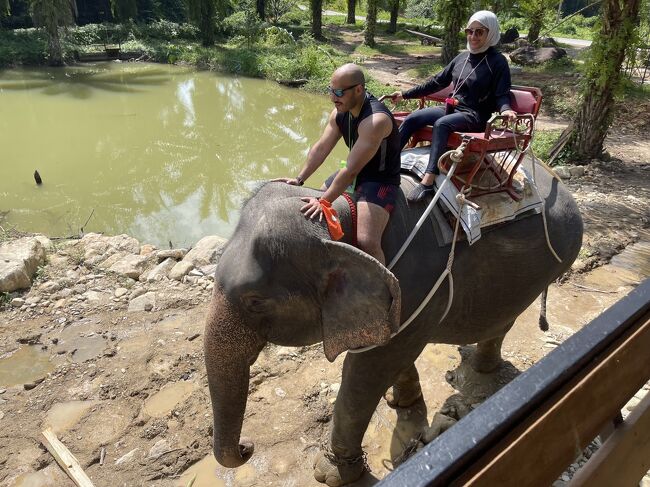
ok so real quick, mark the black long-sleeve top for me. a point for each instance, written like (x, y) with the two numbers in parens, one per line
(485, 91)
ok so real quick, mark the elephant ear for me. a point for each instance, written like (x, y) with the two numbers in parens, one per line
(360, 300)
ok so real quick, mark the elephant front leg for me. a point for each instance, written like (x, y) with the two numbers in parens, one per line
(363, 384)
(406, 389)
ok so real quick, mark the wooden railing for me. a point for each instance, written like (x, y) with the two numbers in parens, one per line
(530, 431)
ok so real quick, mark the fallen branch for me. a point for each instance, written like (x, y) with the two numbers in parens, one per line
(587, 288)
(65, 459)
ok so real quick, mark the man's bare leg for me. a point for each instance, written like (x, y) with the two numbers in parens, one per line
(371, 222)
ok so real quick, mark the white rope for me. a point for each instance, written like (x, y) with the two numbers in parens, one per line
(543, 200)
(424, 216)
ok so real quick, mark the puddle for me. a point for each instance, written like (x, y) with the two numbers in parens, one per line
(205, 472)
(161, 403)
(64, 415)
(27, 364)
(75, 339)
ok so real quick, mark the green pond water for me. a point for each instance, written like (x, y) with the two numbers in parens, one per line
(162, 153)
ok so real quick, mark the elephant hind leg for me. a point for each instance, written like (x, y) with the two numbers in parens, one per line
(406, 389)
(487, 356)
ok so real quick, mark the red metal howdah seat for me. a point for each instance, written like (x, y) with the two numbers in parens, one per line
(497, 152)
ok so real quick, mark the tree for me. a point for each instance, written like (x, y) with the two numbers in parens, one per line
(124, 10)
(316, 18)
(453, 15)
(352, 10)
(202, 13)
(371, 24)
(50, 15)
(261, 10)
(394, 12)
(603, 76)
(534, 12)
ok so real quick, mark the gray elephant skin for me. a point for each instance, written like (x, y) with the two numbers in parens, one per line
(281, 279)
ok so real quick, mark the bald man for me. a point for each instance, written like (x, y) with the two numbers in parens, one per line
(369, 130)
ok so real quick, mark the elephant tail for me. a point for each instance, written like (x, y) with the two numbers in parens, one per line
(543, 322)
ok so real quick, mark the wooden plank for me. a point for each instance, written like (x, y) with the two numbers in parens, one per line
(65, 459)
(624, 458)
(539, 450)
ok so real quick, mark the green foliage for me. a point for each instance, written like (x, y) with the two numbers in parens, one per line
(22, 46)
(275, 9)
(164, 29)
(295, 16)
(421, 9)
(544, 141)
(5, 299)
(277, 36)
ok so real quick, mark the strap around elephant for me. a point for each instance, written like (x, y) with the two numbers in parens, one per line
(353, 216)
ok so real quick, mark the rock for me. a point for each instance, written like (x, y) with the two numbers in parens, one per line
(131, 265)
(160, 447)
(147, 249)
(31, 385)
(2, 415)
(209, 270)
(126, 458)
(562, 172)
(13, 276)
(546, 42)
(510, 35)
(120, 291)
(161, 270)
(104, 244)
(49, 287)
(93, 297)
(180, 269)
(137, 292)
(530, 55)
(19, 260)
(577, 171)
(334, 388)
(146, 302)
(107, 263)
(280, 392)
(205, 251)
(17, 302)
(176, 254)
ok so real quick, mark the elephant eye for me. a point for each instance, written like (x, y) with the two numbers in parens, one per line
(254, 303)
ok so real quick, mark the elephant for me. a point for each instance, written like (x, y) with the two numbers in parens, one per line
(282, 279)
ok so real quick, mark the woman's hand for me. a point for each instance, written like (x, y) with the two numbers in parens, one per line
(511, 114)
(395, 97)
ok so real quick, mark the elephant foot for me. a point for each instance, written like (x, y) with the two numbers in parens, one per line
(334, 471)
(485, 363)
(403, 395)
(439, 425)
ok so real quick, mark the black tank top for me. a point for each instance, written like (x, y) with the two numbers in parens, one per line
(384, 167)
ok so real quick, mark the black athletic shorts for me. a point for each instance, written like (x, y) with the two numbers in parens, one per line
(381, 194)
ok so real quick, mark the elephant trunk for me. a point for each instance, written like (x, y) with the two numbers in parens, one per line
(230, 349)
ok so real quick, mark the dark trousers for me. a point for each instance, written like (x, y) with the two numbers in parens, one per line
(443, 126)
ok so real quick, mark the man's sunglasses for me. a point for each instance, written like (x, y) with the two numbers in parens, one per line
(479, 32)
(338, 92)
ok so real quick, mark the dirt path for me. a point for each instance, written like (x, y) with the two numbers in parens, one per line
(133, 384)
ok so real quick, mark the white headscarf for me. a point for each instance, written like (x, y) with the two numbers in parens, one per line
(489, 20)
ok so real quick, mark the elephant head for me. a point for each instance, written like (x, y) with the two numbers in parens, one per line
(281, 279)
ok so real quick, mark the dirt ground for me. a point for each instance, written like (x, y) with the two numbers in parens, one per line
(127, 393)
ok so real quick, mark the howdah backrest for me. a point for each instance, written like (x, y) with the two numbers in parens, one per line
(523, 99)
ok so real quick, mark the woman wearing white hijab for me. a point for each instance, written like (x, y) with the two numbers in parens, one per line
(481, 79)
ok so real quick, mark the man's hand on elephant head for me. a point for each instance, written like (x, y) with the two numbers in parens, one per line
(291, 181)
(312, 209)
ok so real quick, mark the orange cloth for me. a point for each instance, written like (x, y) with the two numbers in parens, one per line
(332, 219)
